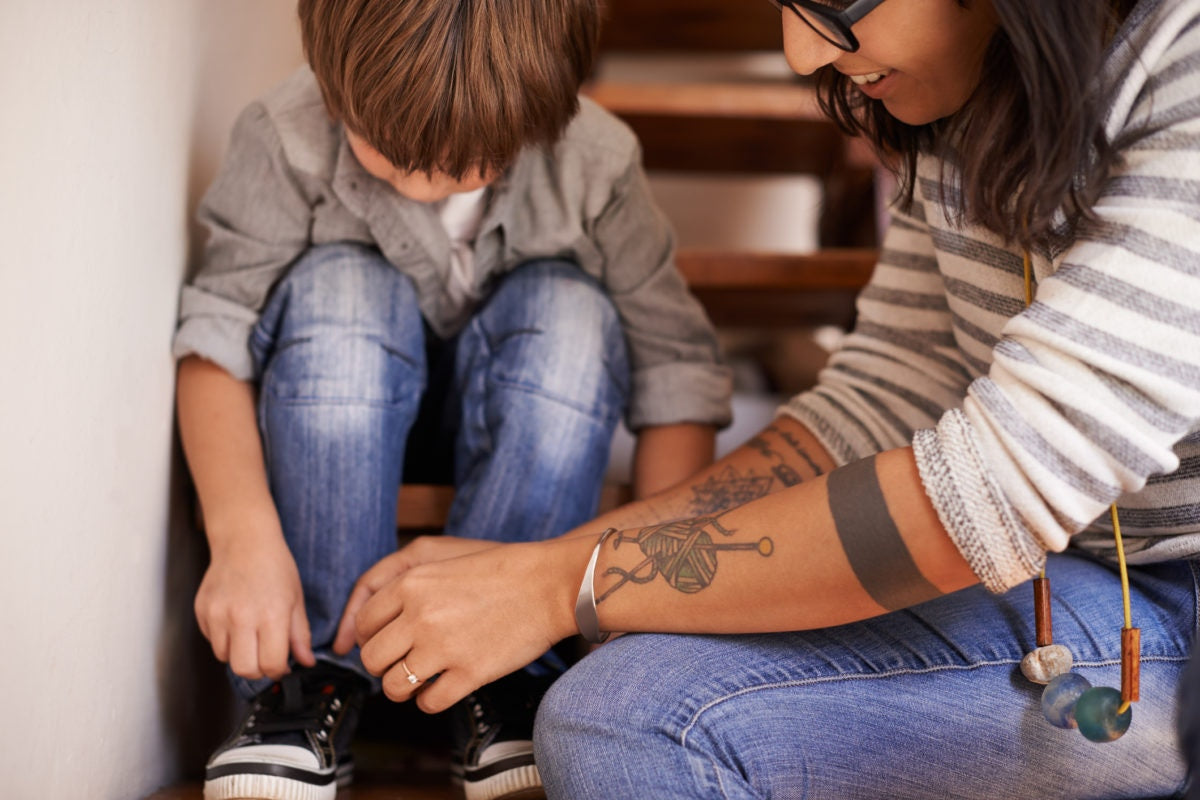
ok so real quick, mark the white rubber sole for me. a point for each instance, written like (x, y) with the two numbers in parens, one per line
(251, 786)
(518, 783)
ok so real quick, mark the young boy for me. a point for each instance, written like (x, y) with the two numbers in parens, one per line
(427, 257)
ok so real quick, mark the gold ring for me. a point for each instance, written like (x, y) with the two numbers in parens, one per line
(413, 679)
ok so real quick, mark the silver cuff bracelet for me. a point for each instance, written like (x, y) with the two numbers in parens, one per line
(585, 603)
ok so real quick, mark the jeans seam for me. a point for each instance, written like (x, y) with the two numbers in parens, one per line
(889, 674)
(717, 775)
(1194, 566)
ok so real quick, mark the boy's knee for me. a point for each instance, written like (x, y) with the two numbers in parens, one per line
(552, 328)
(345, 282)
(556, 296)
(342, 325)
(341, 289)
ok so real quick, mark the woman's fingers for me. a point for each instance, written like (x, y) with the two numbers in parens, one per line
(451, 686)
(385, 649)
(410, 675)
(380, 608)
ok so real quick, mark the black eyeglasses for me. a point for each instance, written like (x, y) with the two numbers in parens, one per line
(831, 19)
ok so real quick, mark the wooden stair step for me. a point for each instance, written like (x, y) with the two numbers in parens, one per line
(758, 100)
(424, 506)
(832, 268)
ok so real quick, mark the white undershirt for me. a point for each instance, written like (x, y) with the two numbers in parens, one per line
(461, 216)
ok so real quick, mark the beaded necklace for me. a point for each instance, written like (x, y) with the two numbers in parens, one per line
(1069, 700)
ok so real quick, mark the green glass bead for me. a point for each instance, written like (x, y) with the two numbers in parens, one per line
(1096, 713)
(1059, 696)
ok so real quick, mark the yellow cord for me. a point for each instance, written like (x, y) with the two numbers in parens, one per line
(1121, 562)
(1116, 522)
(1029, 302)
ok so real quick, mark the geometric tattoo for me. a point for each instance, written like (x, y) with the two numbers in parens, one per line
(731, 489)
(872, 542)
(682, 552)
(728, 490)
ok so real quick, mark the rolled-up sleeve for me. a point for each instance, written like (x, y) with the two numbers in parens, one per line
(258, 223)
(677, 375)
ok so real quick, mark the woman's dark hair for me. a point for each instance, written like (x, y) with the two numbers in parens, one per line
(1030, 138)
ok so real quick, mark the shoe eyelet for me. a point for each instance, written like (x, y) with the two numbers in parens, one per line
(322, 735)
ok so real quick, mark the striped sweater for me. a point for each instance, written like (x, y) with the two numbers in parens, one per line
(1027, 423)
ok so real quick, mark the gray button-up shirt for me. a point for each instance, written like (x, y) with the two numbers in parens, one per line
(290, 181)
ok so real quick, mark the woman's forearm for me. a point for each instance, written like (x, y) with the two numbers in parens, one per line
(821, 552)
(784, 454)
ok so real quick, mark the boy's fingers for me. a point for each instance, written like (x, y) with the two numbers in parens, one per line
(220, 645)
(346, 638)
(243, 654)
(273, 651)
(202, 622)
(301, 637)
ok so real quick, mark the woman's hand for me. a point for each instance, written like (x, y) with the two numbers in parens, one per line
(421, 550)
(470, 620)
(250, 606)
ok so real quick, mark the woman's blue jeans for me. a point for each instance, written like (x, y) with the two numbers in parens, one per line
(926, 704)
(536, 384)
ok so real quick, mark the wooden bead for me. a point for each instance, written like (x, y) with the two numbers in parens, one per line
(1131, 652)
(1041, 610)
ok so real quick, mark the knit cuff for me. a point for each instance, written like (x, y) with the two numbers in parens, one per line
(1000, 550)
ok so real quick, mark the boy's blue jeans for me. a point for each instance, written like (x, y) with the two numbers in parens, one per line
(537, 382)
(922, 704)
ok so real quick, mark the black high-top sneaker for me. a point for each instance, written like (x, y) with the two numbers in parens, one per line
(493, 739)
(294, 741)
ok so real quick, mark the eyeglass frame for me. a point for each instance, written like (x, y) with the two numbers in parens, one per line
(839, 20)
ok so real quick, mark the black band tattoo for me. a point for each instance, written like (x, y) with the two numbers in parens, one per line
(872, 542)
(682, 552)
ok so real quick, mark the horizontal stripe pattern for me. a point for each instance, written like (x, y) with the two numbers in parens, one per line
(1028, 422)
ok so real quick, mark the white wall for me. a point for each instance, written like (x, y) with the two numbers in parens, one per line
(112, 114)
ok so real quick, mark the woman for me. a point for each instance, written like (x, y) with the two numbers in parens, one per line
(875, 586)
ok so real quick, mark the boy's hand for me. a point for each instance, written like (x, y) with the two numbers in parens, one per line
(422, 550)
(250, 606)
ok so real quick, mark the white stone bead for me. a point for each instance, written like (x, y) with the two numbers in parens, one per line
(1044, 663)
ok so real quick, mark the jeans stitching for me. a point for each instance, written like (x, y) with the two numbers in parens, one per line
(695, 720)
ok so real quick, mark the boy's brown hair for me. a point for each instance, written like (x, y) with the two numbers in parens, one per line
(451, 85)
